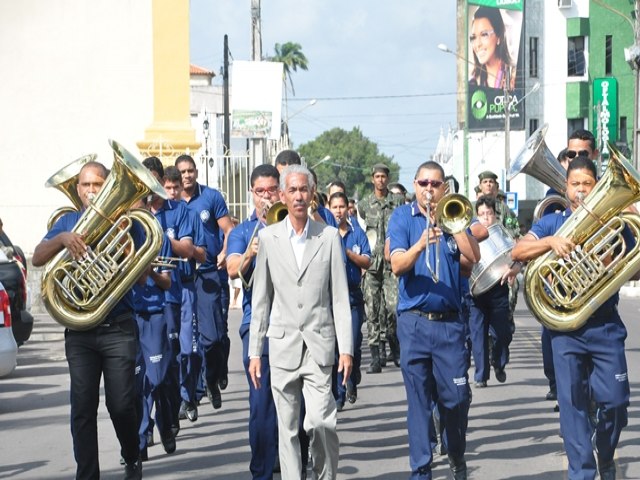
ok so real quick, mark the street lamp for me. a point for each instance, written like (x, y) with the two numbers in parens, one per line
(328, 157)
(207, 161)
(311, 103)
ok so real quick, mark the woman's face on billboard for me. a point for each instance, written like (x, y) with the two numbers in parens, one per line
(483, 40)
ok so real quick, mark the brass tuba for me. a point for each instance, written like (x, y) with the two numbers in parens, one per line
(80, 294)
(563, 293)
(535, 159)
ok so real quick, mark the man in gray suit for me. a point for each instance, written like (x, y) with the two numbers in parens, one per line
(301, 302)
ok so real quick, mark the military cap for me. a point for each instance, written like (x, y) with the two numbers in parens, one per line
(487, 174)
(501, 194)
(380, 167)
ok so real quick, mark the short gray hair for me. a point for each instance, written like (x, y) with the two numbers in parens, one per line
(296, 169)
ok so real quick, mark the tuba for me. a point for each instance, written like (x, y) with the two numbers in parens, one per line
(563, 293)
(535, 159)
(80, 294)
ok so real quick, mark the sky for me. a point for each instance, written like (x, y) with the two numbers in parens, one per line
(372, 64)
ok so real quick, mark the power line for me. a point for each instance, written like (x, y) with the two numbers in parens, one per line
(374, 97)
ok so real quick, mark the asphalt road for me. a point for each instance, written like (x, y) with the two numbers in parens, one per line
(513, 431)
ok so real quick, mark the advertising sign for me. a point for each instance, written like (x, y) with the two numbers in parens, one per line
(605, 100)
(256, 99)
(495, 62)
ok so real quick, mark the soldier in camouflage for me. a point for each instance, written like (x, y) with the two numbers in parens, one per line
(505, 216)
(380, 286)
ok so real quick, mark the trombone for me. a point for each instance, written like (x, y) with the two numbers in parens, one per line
(453, 214)
(167, 262)
(273, 214)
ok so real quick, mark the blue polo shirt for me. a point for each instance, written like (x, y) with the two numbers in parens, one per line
(209, 206)
(416, 288)
(150, 298)
(355, 240)
(237, 244)
(327, 216)
(177, 224)
(66, 223)
(548, 226)
(188, 269)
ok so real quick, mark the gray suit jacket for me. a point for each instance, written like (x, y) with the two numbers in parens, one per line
(294, 307)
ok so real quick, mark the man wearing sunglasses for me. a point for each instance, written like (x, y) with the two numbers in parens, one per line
(431, 330)
(581, 142)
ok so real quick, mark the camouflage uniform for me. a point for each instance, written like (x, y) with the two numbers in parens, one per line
(380, 286)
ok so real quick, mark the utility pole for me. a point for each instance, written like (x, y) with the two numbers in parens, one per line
(226, 140)
(636, 116)
(507, 125)
(256, 145)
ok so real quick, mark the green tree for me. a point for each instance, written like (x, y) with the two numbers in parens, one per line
(352, 157)
(291, 56)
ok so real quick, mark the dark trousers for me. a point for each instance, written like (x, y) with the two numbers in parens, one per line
(190, 356)
(172, 316)
(263, 419)
(433, 362)
(491, 309)
(339, 390)
(547, 358)
(211, 325)
(109, 350)
(590, 364)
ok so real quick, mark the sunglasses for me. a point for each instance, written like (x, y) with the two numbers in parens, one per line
(572, 153)
(426, 183)
(261, 191)
(483, 35)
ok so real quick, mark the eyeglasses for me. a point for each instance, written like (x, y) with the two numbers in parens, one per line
(572, 153)
(427, 182)
(262, 191)
(483, 35)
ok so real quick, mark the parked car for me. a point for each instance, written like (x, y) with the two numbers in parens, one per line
(13, 275)
(8, 346)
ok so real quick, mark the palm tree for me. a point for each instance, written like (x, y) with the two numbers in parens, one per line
(291, 56)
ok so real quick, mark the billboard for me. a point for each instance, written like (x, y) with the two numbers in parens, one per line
(605, 122)
(495, 63)
(256, 100)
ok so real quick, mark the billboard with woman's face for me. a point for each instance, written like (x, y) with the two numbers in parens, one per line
(495, 62)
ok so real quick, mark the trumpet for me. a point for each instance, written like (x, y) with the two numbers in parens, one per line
(273, 214)
(167, 262)
(453, 215)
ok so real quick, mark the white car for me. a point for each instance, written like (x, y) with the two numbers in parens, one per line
(8, 347)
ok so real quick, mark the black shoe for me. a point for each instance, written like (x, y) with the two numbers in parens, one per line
(607, 470)
(340, 405)
(191, 411)
(552, 395)
(175, 429)
(133, 471)
(182, 413)
(352, 393)
(169, 443)
(458, 467)
(276, 465)
(501, 375)
(150, 441)
(223, 383)
(213, 392)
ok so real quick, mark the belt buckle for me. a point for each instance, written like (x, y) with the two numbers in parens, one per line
(435, 316)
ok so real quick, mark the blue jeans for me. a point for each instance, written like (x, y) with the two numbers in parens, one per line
(110, 350)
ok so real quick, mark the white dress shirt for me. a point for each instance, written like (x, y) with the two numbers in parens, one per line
(298, 242)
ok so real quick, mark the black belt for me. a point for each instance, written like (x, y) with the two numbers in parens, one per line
(437, 316)
(116, 319)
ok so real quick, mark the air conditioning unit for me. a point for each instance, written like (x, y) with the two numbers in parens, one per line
(565, 3)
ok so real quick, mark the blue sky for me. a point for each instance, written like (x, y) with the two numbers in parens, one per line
(385, 51)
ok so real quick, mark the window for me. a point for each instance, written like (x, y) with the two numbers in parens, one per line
(533, 125)
(574, 124)
(533, 56)
(576, 55)
(608, 54)
(622, 133)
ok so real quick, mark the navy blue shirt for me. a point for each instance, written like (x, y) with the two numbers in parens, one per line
(188, 269)
(150, 298)
(327, 216)
(237, 244)
(209, 206)
(177, 224)
(416, 288)
(66, 223)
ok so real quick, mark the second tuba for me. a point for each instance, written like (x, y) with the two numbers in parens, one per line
(563, 293)
(80, 294)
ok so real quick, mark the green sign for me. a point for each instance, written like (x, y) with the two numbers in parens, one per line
(605, 102)
(504, 4)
